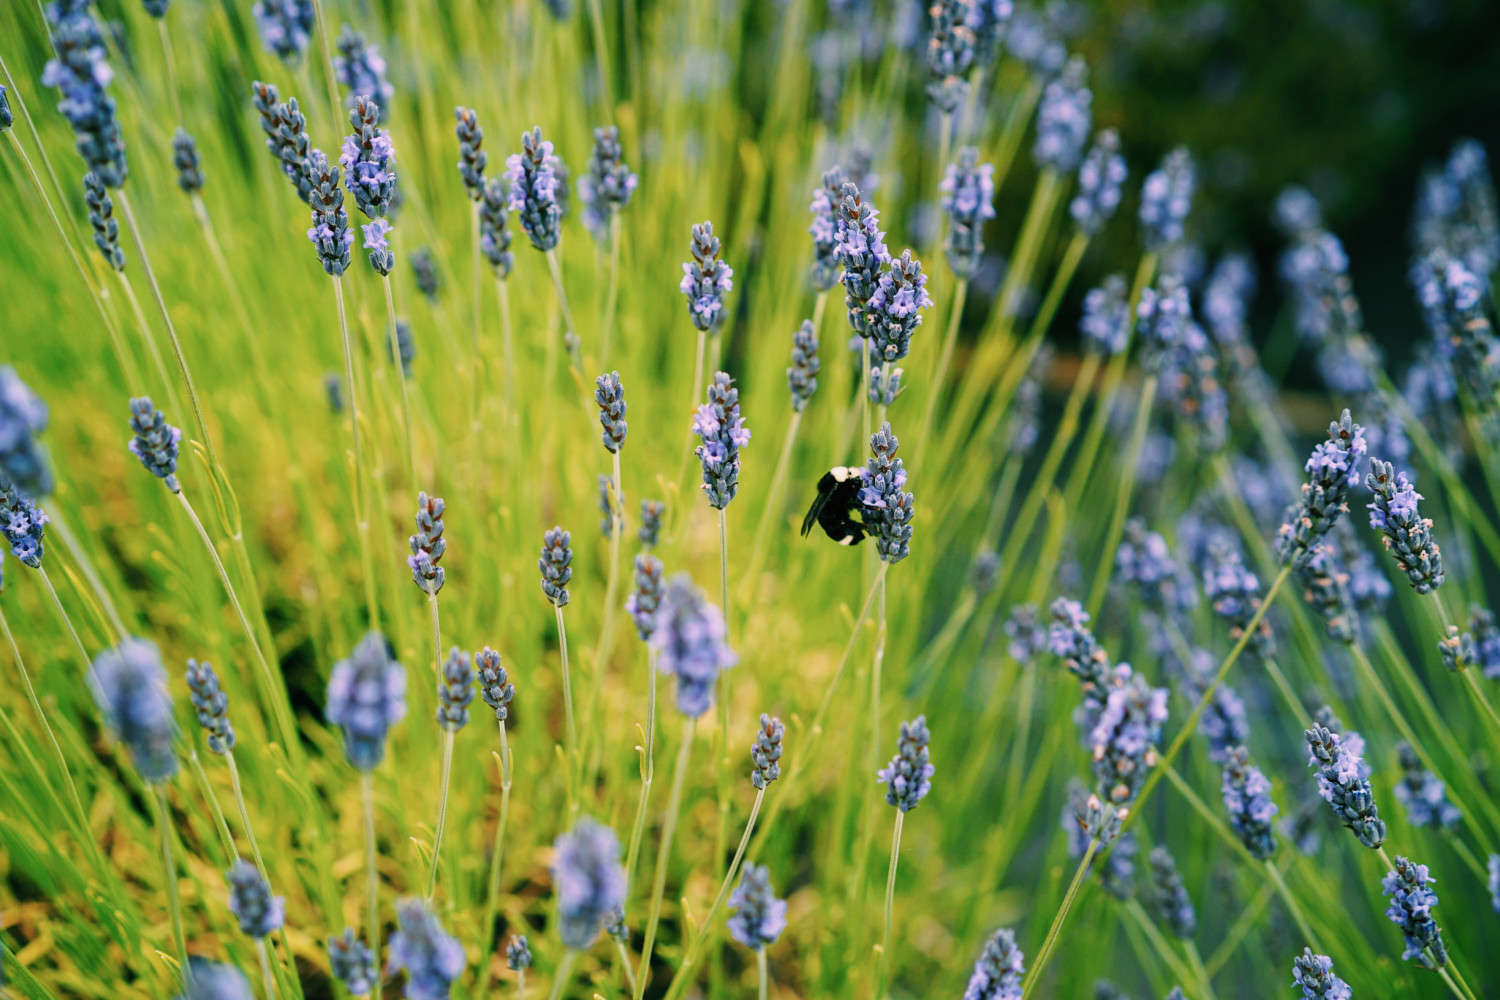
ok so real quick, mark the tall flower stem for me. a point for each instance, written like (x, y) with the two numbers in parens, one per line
(564, 973)
(265, 967)
(1123, 490)
(83, 653)
(562, 301)
(157, 361)
(390, 322)
(648, 768)
(707, 926)
(611, 299)
(664, 855)
(611, 588)
(161, 303)
(274, 694)
(174, 907)
(773, 504)
(239, 801)
(221, 824)
(815, 733)
(171, 61)
(367, 570)
(372, 876)
(572, 748)
(687, 445)
(760, 968)
(502, 292)
(492, 905)
(442, 820)
(477, 271)
(1044, 954)
(890, 906)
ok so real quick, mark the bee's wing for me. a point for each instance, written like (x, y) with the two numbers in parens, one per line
(826, 488)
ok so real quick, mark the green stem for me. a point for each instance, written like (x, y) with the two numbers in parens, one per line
(648, 768)
(687, 447)
(562, 643)
(390, 321)
(265, 967)
(1043, 955)
(221, 824)
(562, 302)
(88, 664)
(890, 904)
(1122, 494)
(612, 297)
(239, 801)
(760, 968)
(367, 570)
(164, 825)
(564, 973)
(492, 906)
(442, 820)
(372, 875)
(1158, 941)
(612, 587)
(664, 855)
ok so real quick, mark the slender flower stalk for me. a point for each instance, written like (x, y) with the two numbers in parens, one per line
(642, 605)
(556, 565)
(518, 960)
(609, 394)
(455, 693)
(497, 691)
(605, 191)
(908, 780)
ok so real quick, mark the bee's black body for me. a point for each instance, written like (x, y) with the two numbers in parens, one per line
(832, 509)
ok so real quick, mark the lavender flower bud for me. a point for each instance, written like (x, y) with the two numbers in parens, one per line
(286, 136)
(382, 260)
(79, 71)
(968, 195)
(1458, 649)
(765, 753)
(887, 509)
(155, 442)
(759, 916)
(6, 118)
(366, 697)
(1247, 797)
(651, 512)
(1408, 535)
(1169, 898)
(615, 927)
(406, 346)
(494, 685)
(824, 230)
(589, 880)
(215, 981)
(607, 507)
(607, 186)
(494, 234)
(329, 233)
(1423, 795)
(610, 395)
(1411, 910)
(885, 384)
(1314, 974)
(360, 68)
(251, 902)
(1063, 119)
(424, 270)
(984, 569)
(1343, 785)
(802, 376)
(432, 959)
(907, 776)
(102, 218)
(1034, 42)
(130, 688)
(1070, 638)
(894, 311)
(998, 971)
(366, 157)
(352, 962)
(556, 565)
(988, 20)
(211, 705)
(532, 176)
(690, 642)
(719, 424)
(23, 462)
(1105, 324)
(1126, 735)
(861, 252)
(1166, 199)
(1332, 470)
(1235, 594)
(428, 545)
(471, 155)
(185, 159)
(455, 690)
(1145, 564)
(643, 603)
(1027, 634)
(706, 279)
(1163, 316)
(333, 386)
(1325, 586)
(285, 27)
(1101, 176)
(518, 953)
(950, 54)
(1191, 383)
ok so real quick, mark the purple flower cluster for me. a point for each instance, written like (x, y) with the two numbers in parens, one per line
(1101, 178)
(706, 279)
(130, 688)
(802, 376)
(824, 229)
(494, 234)
(23, 415)
(1163, 317)
(1314, 975)
(533, 178)
(908, 776)
(607, 186)
(1105, 323)
(455, 690)
(23, 523)
(887, 509)
(998, 970)
(759, 916)
(352, 962)
(285, 26)
(1423, 795)
(556, 564)
(1144, 562)
(950, 54)
(329, 233)
(472, 159)
(968, 196)
(1344, 784)
(1166, 199)
(102, 218)
(79, 71)
(1063, 119)
(366, 158)
(286, 135)
(1247, 797)
(1070, 638)
(494, 685)
(155, 443)
(428, 545)
(1026, 634)
(211, 705)
(861, 252)
(366, 697)
(1332, 469)
(1125, 737)
(361, 68)
(1411, 910)
(765, 752)
(251, 902)
(589, 881)
(690, 639)
(1486, 641)
(642, 604)
(894, 310)
(723, 432)
(1326, 587)
(433, 959)
(1169, 898)
(1234, 592)
(1408, 535)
